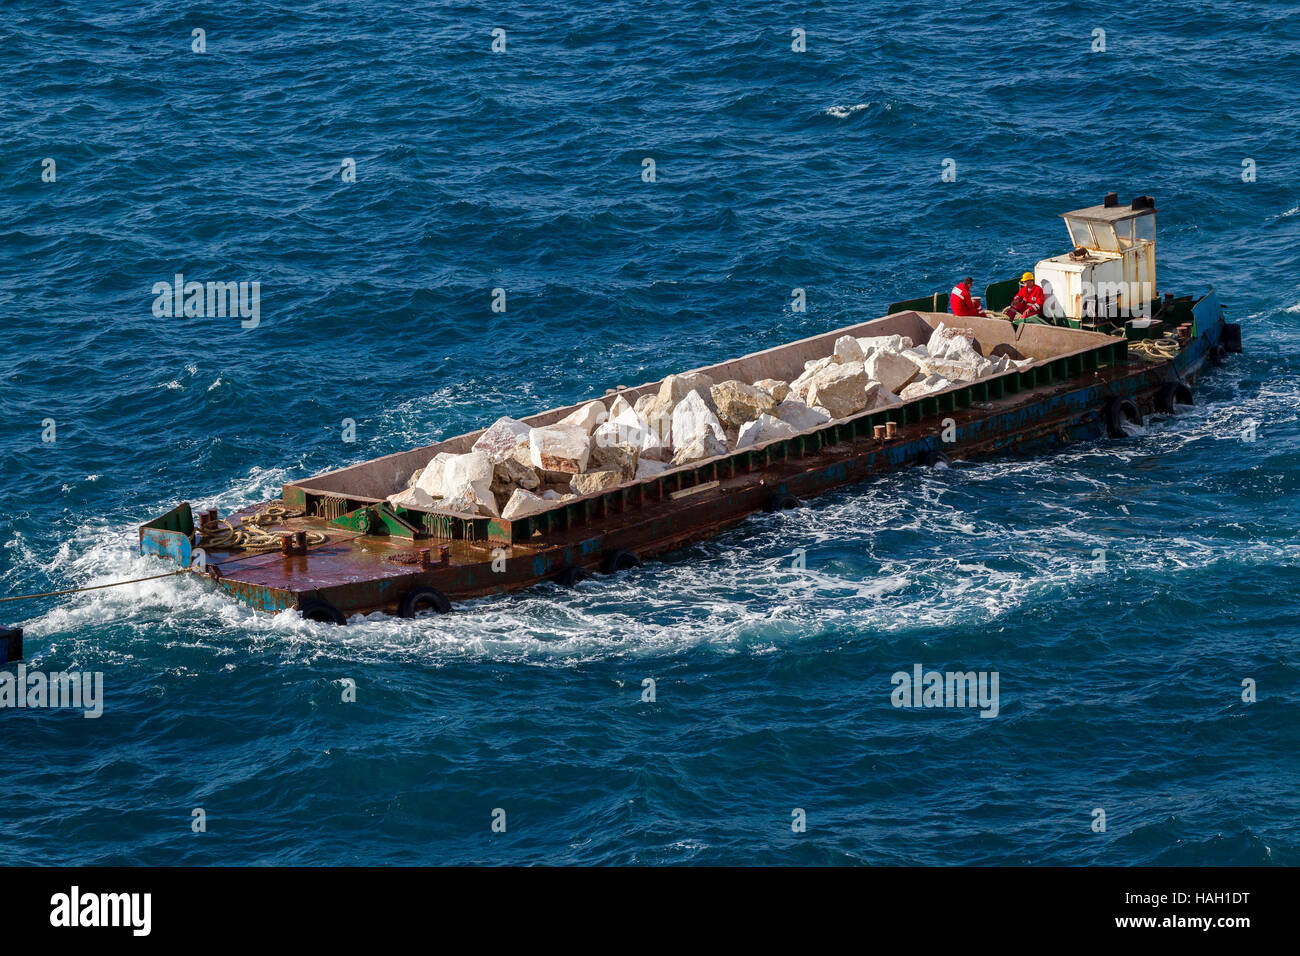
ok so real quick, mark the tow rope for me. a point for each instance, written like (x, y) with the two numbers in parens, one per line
(93, 587)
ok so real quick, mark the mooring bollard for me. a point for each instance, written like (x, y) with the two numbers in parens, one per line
(878, 432)
(293, 544)
(11, 644)
(891, 429)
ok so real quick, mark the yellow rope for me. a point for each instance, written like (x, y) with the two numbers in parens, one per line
(251, 534)
(1165, 347)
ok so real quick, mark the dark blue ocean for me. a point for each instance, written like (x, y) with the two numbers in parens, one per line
(1121, 680)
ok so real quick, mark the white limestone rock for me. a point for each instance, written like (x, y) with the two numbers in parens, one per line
(705, 446)
(737, 402)
(953, 345)
(657, 413)
(502, 437)
(847, 350)
(619, 407)
(622, 457)
(799, 416)
(591, 482)
(840, 389)
(884, 398)
(674, 389)
(463, 504)
(763, 429)
(565, 448)
(692, 420)
(430, 480)
(510, 473)
(648, 468)
(411, 498)
(642, 405)
(632, 430)
(522, 504)
(799, 387)
(894, 343)
(774, 387)
(467, 479)
(891, 369)
(924, 386)
(587, 417)
(956, 371)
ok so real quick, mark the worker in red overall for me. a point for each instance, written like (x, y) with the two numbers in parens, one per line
(1028, 301)
(960, 301)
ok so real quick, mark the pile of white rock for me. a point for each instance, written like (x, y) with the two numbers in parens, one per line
(514, 469)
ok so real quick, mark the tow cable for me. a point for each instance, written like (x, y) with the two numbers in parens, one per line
(93, 587)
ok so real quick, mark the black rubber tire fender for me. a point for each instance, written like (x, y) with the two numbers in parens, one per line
(1218, 355)
(1232, 337)
(319, 609)
(781, 501)
(619, 560)
(935, 458)
(417, 599)
(1120, 412)
(1171, 395)
(571, 575)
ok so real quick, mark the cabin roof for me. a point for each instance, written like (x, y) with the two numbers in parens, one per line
(1108, 213)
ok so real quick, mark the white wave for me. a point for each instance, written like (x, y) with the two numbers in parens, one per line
(844, 112)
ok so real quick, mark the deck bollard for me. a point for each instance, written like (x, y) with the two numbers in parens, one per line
(891, 429)
(878, 432)
(444, 554)
(426, 558)
(294, 543)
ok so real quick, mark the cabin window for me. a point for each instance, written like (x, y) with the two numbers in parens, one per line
(1080, 234)
(1145, 228)
(1124, 231)
(1106, 237)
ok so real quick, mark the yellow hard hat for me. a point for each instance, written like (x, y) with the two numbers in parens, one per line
(1027, 277)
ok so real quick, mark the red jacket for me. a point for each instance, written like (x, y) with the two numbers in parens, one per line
(1029, 300)
(960, 302)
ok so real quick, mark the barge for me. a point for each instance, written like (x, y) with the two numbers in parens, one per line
(333, 545)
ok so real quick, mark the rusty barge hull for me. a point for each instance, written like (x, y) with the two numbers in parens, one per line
(375, 558)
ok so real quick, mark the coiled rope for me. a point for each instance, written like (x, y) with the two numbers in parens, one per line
(251, 535)
(1165, 347)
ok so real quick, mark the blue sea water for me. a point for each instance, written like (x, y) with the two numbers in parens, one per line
(1120, 686)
